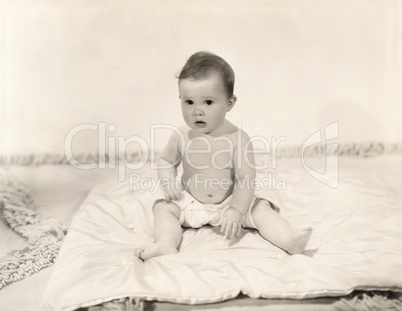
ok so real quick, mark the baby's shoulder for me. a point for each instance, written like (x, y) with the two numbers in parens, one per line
(241, 139)
(184, 128)
(242, 133)
(179, 134)
(238, 133)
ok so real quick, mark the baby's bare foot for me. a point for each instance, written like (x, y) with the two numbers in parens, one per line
(154, 250)
(299, 241)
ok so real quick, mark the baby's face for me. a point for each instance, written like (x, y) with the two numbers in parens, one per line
(204, 103)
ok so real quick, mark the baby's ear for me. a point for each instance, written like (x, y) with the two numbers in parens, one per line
(231, 102)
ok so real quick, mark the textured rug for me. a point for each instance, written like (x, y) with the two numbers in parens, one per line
(374, 301)
(43, 237)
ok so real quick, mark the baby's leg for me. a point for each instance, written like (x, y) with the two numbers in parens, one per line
(274, 228)
(167, 231)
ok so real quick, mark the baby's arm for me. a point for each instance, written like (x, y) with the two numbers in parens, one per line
(167, 164)
(243, 192)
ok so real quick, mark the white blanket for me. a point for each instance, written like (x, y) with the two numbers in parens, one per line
(356, 244)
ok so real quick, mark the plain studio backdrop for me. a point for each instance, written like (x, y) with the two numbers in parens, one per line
(300, 65)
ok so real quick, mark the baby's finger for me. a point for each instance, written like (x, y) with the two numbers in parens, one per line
(235, 228)
(167, 196)
(238, 230)
(223, 225)
(177, 194)
(228, 229)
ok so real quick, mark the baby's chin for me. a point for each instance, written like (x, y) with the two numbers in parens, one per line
(201, 130)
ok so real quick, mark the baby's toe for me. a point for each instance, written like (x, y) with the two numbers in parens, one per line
(138, 252)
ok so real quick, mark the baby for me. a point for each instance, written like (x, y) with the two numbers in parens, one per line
(218, 163)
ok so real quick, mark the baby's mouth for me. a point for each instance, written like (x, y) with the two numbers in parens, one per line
(200, 123)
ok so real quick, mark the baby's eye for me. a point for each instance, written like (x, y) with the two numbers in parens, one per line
(189, 102)
(209, 102)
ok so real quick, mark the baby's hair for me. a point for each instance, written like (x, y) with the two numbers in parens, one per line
(201, 64)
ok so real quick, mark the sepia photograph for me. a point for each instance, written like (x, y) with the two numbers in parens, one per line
(187, 155)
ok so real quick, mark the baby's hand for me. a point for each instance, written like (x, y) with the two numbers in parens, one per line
(231, 222)
(173, 194)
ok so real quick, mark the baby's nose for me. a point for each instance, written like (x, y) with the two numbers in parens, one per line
(198, 111)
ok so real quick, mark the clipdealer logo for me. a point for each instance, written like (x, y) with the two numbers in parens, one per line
(112, 150)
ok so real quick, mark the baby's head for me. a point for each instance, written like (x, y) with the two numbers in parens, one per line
(202, 65)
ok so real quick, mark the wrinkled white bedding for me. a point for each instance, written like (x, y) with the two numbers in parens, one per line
(356, 244)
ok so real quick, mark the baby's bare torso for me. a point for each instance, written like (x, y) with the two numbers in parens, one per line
(208, 168)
